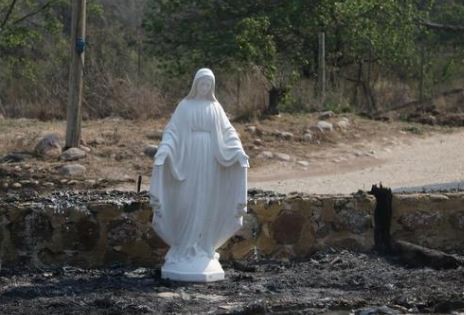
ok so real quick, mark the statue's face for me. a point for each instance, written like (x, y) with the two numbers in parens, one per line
(203, 86)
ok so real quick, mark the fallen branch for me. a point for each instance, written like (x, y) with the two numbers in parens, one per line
(419, 102)
(418, 256)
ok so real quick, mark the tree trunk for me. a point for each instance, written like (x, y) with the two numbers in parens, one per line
(358, 82)
(275, 95)
(370, 99)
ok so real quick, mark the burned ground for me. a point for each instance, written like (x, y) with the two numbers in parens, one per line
(331, 281)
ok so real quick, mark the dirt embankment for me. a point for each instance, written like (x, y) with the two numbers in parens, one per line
(307, 152)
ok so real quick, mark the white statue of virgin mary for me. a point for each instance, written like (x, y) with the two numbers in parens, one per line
(198, 188)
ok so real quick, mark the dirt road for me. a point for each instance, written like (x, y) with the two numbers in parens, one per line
(435, 158)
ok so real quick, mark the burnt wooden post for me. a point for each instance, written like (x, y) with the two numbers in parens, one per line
(382, 218)
(139, 183)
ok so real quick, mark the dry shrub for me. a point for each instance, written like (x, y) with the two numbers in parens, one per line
(243, 95)
(393, 92)
(109, 97)
(124, 98)
(304, 97)
(23, 100)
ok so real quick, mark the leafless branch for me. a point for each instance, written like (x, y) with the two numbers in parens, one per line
(8, 13)
(38, 10)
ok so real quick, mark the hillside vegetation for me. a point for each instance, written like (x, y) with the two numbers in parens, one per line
(141, 55)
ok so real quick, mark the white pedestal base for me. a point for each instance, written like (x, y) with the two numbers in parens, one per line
(199, 269)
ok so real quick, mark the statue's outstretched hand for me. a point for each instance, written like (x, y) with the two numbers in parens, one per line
(160, 158)
(243, 160)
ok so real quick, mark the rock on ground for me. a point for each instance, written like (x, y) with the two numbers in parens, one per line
(343, 124)
(258, 142)
(303, 163)
(150, 150)
(251, 129)
(307, 137)
(96, 141)
(85, 148)
(326, 115)
(49, 146)
(16, 185)
(72, 170)
(282, 156)
(156, 135)
(265, 155)
(286, 135)
(324, 126)
(73, 154)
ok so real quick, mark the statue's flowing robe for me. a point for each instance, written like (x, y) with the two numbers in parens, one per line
(198, 187)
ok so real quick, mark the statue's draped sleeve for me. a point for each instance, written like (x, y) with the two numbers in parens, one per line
(172, 149)
(228, 145)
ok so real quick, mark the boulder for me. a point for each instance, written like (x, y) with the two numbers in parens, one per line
(49, 146)
(73, 154)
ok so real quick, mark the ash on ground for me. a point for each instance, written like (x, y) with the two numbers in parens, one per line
(329, 282)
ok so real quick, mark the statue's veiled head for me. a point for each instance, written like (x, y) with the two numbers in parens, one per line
(203, 87)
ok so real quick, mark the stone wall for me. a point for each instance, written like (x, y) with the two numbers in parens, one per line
(431, 220)
(298, 225)
(95, 230)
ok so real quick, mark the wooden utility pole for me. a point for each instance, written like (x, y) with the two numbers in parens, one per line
(322, 78)
(78, 43)
(421, 78)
